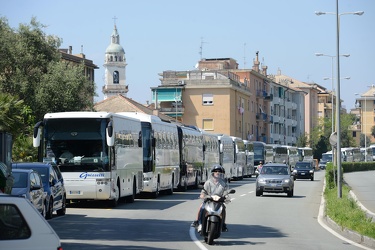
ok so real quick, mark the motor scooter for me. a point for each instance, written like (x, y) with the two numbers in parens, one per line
(212, 222)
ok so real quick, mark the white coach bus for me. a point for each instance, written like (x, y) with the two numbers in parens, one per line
(160, 144)
(239, 158)
(226, 150)
(99, 154)
(211, 154)
(190, 141)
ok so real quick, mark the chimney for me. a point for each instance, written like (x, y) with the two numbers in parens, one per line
(256, 62)
(70, 50)
(264, 70)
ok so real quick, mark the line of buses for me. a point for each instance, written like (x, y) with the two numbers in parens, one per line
(116, 156)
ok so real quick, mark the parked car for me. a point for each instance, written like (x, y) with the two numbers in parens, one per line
(53, 184)
(28, 184)
(274, 178)
(304, 170)
(23, 227)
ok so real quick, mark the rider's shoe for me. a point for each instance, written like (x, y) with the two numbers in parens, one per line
(199, 229)
(194, 223)
(225, 228)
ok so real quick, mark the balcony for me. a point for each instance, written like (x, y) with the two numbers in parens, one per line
(173, 112)
(264, 95)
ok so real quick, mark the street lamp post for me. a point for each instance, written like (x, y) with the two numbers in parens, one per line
(334, 155)
(338, 101)
(333, 90)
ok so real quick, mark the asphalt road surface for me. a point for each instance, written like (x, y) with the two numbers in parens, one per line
(272, 221)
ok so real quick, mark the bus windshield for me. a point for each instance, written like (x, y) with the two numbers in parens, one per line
(77, 144)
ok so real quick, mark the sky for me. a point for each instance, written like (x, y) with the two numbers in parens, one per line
(174, 35)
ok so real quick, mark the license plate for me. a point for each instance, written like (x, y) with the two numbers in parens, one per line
(302, 173)
(75, 192)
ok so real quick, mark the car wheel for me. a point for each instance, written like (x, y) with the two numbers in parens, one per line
(291, 193)
(44, 209)
(62, 211)
(49, 210)
(312, 178)
(258, 193)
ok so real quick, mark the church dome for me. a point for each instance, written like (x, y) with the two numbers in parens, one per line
(114, 48)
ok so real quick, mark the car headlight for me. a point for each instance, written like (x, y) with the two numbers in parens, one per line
(286, 180)
(311, 171)
(295, 171)
(261, 180)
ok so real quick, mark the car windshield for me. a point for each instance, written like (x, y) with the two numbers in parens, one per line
(275, 170)
(303, 166)
(20, 180)
(41, 170)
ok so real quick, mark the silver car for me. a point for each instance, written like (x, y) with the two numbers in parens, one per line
(274, 178)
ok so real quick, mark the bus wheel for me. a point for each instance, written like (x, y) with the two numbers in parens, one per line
(114, 202)
(131, 198)
(156, 193)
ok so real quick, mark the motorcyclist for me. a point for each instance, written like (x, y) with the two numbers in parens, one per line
(215, 185)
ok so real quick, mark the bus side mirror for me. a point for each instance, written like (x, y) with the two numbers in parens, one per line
(110, 137)
(36, 134)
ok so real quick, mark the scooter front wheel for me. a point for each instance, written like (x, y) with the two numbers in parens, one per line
(211, 233)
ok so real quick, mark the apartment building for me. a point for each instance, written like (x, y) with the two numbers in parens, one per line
(220, 98)
(365, 104)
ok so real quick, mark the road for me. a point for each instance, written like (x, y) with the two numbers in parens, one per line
(267, 222)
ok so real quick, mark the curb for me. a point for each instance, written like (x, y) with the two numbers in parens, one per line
(350, 236)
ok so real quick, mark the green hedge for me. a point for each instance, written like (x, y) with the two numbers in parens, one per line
(358, 166)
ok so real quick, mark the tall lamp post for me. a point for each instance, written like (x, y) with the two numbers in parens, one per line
(334, 155)
(338, 98)
(333, 90)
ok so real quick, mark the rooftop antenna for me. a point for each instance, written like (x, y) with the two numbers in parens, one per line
(201, 48)
(114, 20)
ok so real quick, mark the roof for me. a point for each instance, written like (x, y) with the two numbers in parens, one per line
(120, 103)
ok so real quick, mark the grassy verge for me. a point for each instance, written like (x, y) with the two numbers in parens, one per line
(345, 211)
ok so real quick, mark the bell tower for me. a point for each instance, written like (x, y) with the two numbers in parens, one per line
(115, 67)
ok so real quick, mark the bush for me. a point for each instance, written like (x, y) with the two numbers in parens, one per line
(346, 213)
(358, 166)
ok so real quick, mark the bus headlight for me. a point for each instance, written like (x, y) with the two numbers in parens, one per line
(103, 181)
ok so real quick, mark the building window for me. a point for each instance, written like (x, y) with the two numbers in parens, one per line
(208, 124)
(115, 77)
(208, 99)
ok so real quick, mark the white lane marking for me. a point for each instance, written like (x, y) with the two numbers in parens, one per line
(195, 240)
(242, 195)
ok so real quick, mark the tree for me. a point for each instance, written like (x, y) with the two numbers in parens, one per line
(363, 142)
(373, 131)
(31, 68)
(64, 88)
(302, 140)
(32, 72)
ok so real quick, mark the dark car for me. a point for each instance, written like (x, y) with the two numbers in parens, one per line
(303, 170)
(274, 178)
(53, 184)
(28, 183)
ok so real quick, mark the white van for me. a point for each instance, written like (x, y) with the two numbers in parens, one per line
(23, 227)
